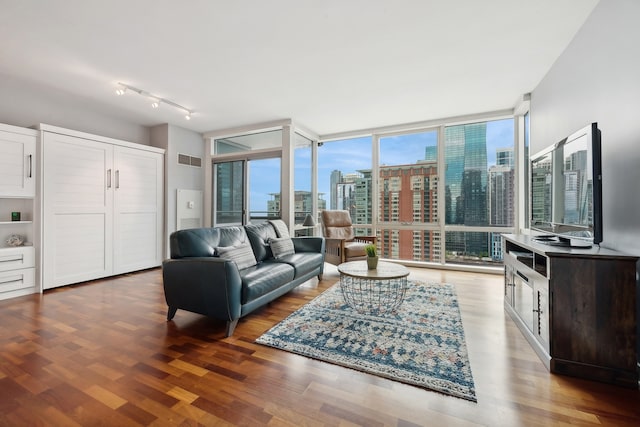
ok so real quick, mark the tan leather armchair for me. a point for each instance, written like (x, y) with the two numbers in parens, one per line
(341, 243)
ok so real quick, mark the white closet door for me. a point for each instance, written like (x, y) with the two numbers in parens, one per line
(78, 179)
(138, 204)
(17, 164)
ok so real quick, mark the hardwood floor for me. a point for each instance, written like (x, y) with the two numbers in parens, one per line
(102, 353)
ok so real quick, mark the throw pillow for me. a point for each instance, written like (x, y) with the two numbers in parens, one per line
(281, 247)
(242, 255)
(281, 227)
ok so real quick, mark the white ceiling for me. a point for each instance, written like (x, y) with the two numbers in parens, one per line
(330, 65)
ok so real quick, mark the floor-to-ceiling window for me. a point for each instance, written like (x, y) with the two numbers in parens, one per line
(345, 181)
(407, 196)
(246, 178)
(302, 178)
(229, 190)
(441, 194)
(479, 184)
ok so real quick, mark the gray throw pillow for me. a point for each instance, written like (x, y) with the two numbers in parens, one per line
(281, 227)
(242, 255)
(281, 247)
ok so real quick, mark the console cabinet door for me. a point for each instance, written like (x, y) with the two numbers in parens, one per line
(541, 313)
(17, 164)
(138, 201)
(78, 181)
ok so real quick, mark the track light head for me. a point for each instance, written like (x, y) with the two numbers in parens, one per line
(121, 91)
(187, 116)
(155, 103)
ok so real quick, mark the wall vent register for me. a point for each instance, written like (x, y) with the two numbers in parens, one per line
(184, 159)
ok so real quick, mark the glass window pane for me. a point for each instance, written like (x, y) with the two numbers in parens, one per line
(479, 176)
(410, 245)
(229, 183)
(480, 248)
(248, 142)
(302, 178)
(408, 184)
(344, 174)
(264, 194)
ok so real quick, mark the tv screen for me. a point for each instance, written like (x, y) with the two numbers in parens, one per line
(566, 190)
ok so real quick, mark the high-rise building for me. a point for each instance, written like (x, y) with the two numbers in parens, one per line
(334, 180)
(501, 191)
(408, 194)
(504, 157)
(301, 201)
(466, 187)
(229, 202)
(362, 200)
(345, 196)
(431, 153)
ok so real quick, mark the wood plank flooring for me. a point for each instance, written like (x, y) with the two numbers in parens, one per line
(102, 353)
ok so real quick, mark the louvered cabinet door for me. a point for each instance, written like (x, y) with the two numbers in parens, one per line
(138, 204)
(78, 180)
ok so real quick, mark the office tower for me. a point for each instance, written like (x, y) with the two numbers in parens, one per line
(334, 180)
(466, 186)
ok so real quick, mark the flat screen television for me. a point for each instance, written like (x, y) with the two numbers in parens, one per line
(566, 190)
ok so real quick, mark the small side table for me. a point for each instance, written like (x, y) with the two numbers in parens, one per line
(376, 291)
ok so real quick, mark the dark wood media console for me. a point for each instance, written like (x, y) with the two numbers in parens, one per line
(576, 307)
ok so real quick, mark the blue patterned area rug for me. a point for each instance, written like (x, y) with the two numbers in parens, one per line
(422, 344)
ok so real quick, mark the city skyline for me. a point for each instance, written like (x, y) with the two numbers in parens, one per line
(352, 155)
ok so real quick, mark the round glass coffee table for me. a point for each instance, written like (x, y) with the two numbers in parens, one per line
(376, 291)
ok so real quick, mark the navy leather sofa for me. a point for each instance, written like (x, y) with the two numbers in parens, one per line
(211, 271)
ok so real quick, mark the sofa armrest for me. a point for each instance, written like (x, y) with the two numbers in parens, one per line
(208, 285)
(308, 244)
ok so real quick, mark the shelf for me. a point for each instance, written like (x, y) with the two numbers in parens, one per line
(15, 222)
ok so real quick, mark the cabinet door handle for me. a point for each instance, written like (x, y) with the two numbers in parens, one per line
(108, 178)
(118, 178)
(30, 165)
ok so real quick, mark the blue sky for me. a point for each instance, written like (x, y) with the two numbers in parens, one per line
(351, 155)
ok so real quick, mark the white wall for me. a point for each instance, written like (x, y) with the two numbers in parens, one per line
(597, 79)
(176, 140)
(27, 104)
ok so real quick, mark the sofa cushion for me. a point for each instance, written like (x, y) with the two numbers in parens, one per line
(264, 278)
(303, 262)
(241, 254)
(281, 246)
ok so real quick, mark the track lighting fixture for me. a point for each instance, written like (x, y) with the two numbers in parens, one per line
(156, 100)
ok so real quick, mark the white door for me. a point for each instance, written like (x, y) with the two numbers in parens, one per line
(78, 180)
(138, 203)
(17, 164)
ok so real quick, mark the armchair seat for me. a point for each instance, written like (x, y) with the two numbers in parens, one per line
(342, 244)
(354, 249)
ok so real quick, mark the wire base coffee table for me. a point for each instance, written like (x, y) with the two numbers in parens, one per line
(378, 291)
